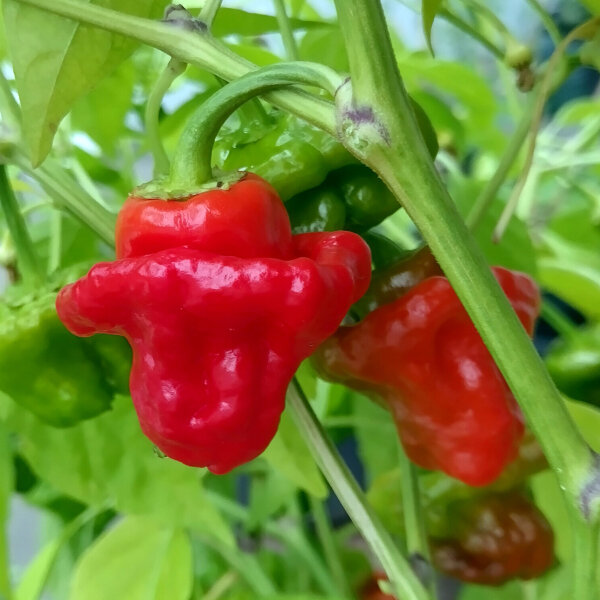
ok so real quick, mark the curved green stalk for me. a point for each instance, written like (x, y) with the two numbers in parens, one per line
(29, 265)
(192, 160)
(405, 582)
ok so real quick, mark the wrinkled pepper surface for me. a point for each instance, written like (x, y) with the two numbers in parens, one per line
(220, 304)
(61, 379)
(495, 539)
(422, 356)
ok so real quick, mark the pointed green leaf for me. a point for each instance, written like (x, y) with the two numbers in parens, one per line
(139, 559)
(57, 61)
(429, 11)
(108, 459)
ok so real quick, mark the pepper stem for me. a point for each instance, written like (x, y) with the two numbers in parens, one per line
(191, 166)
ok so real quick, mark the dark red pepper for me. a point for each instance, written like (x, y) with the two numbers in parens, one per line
(218, 315)
(496, 538)
(423, 357)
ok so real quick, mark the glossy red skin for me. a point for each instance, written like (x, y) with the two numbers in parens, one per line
(247, 220)
(422, 355)
(497, 538)
(216, 339)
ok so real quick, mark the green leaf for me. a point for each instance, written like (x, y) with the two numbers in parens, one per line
(573, 274)
(35, 577)
(57, 61)
(138, 559)
(289, 454)
(241, 22)
(430, 9)
(376, 435)
(587, 418)
(104, 121)
(592, 5)
(6, 489)
(108, 459)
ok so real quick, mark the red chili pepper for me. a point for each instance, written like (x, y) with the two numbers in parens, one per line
(497, 538)
(422, 355)
(216, 337)
(247, 220)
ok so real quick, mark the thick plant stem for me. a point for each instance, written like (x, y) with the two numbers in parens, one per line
(192, 161)
(380, 130)
(29, 265)
(405, 582)
(196, 48)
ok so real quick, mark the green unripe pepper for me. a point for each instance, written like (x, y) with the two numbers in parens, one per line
(319, 209)
(58, 377)
(384, 252)
(574, 363)
(368, 200)
(291, 155)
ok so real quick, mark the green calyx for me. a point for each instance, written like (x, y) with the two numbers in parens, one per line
(163, 189)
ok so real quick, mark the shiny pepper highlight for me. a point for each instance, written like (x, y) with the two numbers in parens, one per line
(422, 356)
(220, 308)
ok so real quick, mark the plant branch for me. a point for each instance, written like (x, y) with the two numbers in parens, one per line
(287, 33)
(29, 265)
(66, 194)
(198, 48)
(296, 543)
(400, 157)
(416, 538)
(546, 85)
(547, 20)
(325, 535)
(405, 582)
(209, 11)
(487, 196)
